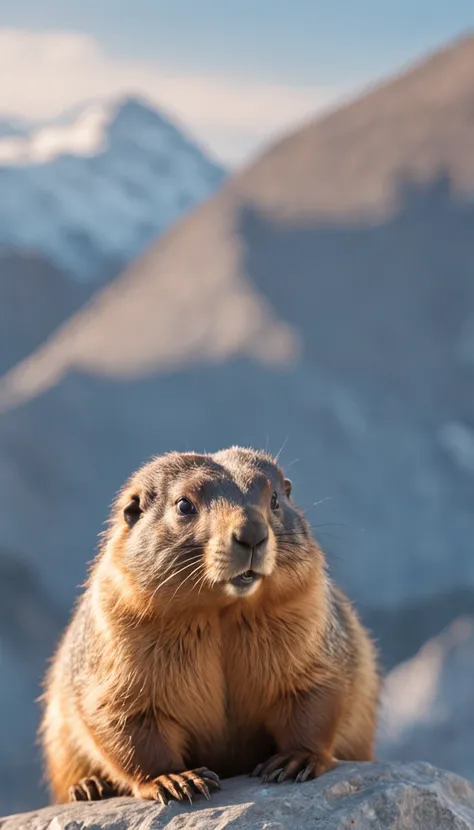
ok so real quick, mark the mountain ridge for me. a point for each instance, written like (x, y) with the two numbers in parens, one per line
(279, 185)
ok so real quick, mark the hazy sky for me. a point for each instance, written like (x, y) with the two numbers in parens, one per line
(236, 72)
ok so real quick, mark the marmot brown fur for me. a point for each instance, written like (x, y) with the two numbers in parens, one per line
(209, 642)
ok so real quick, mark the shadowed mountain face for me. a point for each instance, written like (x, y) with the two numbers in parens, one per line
(35, 298)
(324, 298)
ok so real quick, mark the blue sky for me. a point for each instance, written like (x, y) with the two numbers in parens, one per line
(236, 72)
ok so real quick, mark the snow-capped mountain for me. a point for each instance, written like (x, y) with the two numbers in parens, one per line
(91, 189)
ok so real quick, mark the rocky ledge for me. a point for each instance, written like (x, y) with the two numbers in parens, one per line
(352, 796)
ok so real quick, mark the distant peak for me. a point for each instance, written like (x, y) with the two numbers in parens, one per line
(85, 130)
(133, 102)
(112, 106)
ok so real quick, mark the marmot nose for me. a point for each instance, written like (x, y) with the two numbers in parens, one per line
(252, 533)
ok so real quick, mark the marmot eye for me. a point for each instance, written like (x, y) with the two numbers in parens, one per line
(274, 504)
(185, 507)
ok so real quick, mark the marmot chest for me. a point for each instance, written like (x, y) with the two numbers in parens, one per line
(256, 671)
(234, 671)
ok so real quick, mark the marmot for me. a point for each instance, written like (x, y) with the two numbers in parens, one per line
(209, 642)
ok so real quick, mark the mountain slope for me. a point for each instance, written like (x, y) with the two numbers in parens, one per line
(98, 186)
(323, 298)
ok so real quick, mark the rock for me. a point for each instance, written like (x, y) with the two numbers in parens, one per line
(353, 796)
(427, 707)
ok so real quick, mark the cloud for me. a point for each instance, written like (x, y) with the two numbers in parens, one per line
(43, 73)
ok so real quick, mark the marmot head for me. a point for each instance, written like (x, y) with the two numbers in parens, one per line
(195, 527)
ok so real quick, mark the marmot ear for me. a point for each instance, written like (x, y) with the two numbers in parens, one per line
(132, 511)
(287, 485)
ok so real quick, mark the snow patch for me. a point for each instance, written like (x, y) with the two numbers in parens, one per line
(84, 137)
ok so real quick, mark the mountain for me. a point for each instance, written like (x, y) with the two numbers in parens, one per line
(321, 302)
(91, 189)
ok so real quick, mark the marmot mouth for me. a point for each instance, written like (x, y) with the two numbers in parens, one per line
(245, 579)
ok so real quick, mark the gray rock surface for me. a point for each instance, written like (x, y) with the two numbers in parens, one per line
(354, 797)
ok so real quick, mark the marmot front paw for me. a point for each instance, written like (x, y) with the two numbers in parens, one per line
(297, 766)
(179, 786)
